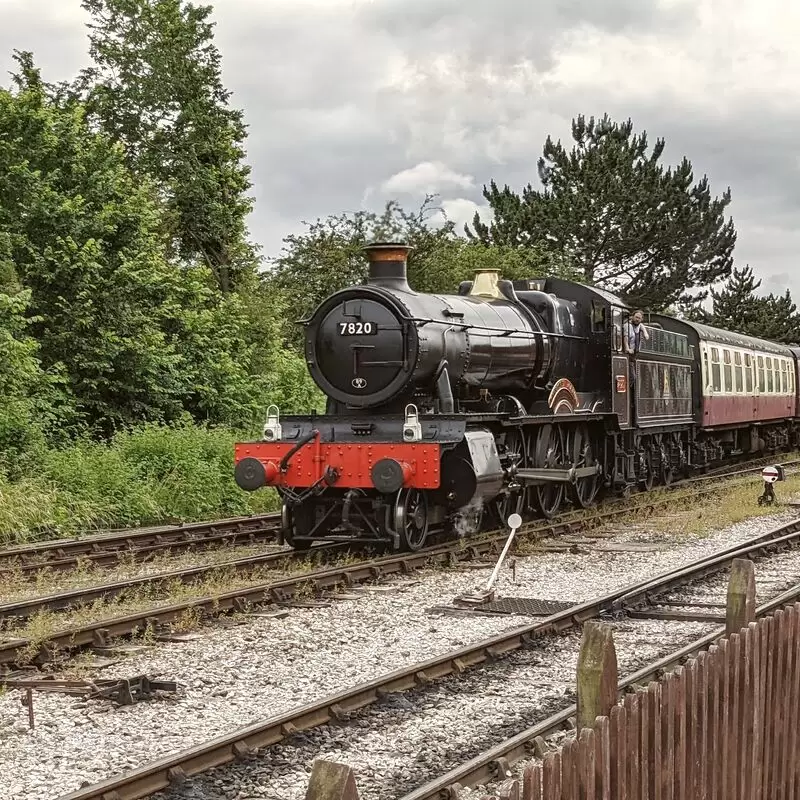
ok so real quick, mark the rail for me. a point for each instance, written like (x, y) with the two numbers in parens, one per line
(108, 547)
(161, 773)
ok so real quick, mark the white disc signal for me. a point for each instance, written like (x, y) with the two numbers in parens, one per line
(769, 474)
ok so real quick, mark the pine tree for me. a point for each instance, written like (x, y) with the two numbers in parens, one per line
(736, 307)
(613, 210)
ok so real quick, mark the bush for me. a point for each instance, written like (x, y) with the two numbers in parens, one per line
(147, 476)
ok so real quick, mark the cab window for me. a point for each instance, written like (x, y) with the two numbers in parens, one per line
(598, 316)
(616, 317)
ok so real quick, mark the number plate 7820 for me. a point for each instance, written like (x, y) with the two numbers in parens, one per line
(357, 328)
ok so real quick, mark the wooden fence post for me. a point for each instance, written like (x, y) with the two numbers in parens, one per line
(740, 610)
(597, 674)
(331, 781)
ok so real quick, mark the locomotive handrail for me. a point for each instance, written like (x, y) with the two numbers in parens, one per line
(501, 331)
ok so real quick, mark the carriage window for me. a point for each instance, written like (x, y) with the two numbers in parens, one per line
(748, 376)
(726, 370)
(737, 371)
(780, 378)
(770, 379)
(784, 378)
(716, 370)
(762, 386)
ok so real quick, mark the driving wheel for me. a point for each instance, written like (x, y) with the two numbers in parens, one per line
(411, 518)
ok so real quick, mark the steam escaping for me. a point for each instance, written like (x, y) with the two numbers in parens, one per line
(468, 518)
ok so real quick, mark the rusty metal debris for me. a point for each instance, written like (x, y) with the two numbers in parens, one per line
(123, 691)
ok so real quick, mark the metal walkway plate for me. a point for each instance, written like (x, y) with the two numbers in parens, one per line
(528, 606)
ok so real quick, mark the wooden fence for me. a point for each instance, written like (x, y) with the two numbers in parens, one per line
(722, 727)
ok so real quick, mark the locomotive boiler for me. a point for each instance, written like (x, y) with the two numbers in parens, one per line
(382, 345)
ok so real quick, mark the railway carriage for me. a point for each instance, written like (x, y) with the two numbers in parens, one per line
(447, 412)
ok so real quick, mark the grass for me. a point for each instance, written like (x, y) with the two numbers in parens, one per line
(725, 507)
(153, 475)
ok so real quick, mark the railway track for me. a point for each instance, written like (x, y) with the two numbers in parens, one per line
(162, 773)
(157, 619)
(109, 548)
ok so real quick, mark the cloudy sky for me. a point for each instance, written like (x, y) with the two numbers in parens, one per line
(353, 102)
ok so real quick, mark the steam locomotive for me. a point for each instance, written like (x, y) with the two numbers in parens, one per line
(450, 412)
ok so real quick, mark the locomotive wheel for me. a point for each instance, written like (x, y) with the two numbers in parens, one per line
(296, 520)
(667, 472)
(411, 518)
(580, 450)
(513, 502)
(549, 452)
(646, 474)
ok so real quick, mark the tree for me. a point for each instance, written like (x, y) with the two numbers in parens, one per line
(610, 208)
(135, 336)
(779, 320)
(156, 88)
(737, 307)
(328, 256)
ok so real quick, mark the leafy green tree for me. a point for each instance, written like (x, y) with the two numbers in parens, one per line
(328, 256)
(84, 239)
(138, 337)
(156, 88)
(22, 385)
(610, 207)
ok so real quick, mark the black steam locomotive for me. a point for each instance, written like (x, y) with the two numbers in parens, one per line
(454, 411)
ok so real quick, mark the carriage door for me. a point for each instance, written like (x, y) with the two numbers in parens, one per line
(620, 371)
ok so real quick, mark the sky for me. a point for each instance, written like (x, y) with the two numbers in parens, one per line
(351, 103)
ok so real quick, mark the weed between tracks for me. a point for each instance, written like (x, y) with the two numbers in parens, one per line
(727, 506)
(18, 585)
(41, 627)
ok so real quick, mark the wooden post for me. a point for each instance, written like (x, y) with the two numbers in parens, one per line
(331, 781)
(597, 674)
(740, 610)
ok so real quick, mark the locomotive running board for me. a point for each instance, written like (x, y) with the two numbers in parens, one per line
(543, 474)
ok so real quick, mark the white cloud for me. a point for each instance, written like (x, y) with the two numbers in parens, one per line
(428, 177)
(445, 95)
(462, 211)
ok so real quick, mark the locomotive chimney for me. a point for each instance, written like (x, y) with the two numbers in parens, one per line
(387, 265)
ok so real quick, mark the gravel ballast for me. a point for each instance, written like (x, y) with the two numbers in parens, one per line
(236, 675)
